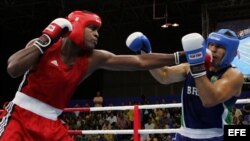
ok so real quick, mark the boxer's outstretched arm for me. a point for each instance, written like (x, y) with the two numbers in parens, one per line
(111, 61)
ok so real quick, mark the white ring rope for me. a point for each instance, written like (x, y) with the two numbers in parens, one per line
(141, 131)
(119, 108)
(243, 101)
(155, 106)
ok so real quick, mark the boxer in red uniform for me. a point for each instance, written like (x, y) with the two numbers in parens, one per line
(53, 65)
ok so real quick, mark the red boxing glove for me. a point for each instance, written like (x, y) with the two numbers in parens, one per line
(56, 29)
(208, 59)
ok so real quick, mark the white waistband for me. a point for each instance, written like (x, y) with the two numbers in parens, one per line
(36, 106)
(201, 133)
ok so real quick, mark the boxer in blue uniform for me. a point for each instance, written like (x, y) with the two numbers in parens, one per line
(211, 84)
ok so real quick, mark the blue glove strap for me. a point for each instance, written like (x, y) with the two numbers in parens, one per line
(196, 56)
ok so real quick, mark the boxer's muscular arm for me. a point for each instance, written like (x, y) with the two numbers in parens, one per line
(223, 89)
(170, 74)
(22, 60)
(114, 62)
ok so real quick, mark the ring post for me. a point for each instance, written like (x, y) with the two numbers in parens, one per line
(137, 123)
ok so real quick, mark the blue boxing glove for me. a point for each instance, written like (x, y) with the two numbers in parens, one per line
(138, 42)
(195, 50)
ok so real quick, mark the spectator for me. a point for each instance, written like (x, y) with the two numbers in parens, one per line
(98, 99)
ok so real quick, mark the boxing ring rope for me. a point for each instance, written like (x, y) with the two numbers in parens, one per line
(141, 131)
(123, 108)
(136, 131)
